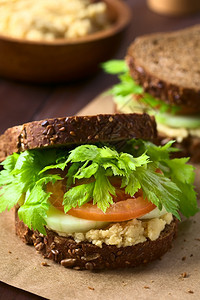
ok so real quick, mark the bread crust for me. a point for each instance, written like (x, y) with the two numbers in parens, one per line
(85, 255)
(163, 89)
(76, 130)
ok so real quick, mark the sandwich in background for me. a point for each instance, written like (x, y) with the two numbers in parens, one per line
(161, 76)
(94, 192)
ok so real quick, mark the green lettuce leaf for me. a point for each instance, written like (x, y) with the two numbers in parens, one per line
(34, 211)
(22, 176)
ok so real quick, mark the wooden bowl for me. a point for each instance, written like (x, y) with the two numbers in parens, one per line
(63, 60)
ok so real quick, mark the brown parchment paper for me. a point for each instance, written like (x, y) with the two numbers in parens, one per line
(21, 266)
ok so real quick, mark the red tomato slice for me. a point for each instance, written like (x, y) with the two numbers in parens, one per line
(120, 211)
(123, 209)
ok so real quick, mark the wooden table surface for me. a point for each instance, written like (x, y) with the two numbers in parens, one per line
(22, 102)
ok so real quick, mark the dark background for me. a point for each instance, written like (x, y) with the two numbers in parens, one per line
(21, 103)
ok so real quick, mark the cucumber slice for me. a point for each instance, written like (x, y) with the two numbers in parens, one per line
(63, 223)
(155, 213)
(176, 121)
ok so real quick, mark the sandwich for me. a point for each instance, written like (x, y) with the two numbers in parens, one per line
(94, 192)
(161, 76)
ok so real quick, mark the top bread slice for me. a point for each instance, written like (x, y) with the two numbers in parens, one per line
(167, 65)
(76, 130)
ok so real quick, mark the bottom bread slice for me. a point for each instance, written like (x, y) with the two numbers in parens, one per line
(85, 255)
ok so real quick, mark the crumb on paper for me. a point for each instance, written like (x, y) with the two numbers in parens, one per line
(190, 292)
(45, 264)
(90, 288)
(184, 275)
(191, 255)
(10, 252)
(146, 287)
(183, 258)
(124, 283)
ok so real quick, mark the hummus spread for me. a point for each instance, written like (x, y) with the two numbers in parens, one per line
(125, 233)
(178, 133)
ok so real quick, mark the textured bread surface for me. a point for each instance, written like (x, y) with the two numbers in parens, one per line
(76, 130)
(167, 65)
(85, 255)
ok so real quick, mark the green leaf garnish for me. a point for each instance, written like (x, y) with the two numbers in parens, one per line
(179, 172)
(103, 191)
(24, 178)
(115, 66)
(128, 87)
(34, 210)
(78, 195)
(159, 189)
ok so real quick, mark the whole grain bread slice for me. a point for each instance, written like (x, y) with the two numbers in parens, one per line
(167, 65)
(85, 255)
(76, 130)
